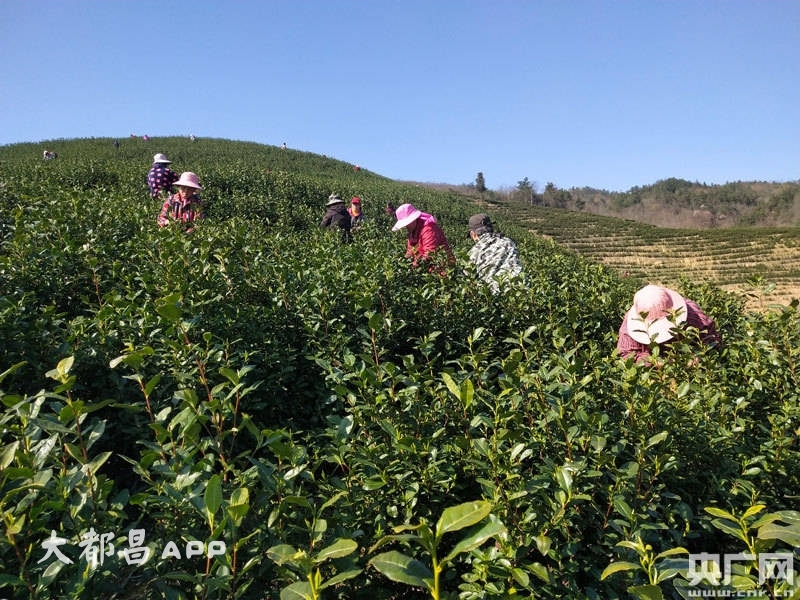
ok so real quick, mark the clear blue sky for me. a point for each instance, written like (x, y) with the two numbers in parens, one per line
(602, 93)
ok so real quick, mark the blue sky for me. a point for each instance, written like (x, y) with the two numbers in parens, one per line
(600, 93)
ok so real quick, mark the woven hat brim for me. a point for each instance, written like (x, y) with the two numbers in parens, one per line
(659, 330)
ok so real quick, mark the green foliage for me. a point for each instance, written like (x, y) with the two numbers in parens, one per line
(741, 203)
(410, 571)
(307, 564)
(556, 198)
(676, 202)
(480, 183)
(748, 575)
(267, 405)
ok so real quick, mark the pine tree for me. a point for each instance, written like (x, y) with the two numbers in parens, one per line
(480, 184)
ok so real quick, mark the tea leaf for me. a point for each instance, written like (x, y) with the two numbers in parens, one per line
(402, 569)
(492, 529)
(461, 516)
(340, 548)
(617, 567)
(212, 498)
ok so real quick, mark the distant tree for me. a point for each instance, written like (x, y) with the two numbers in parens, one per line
(525, 185)
(480, 184)
(549, 194)
(526, 191)
(555, 197)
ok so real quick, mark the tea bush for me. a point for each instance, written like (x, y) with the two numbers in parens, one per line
(329, 413)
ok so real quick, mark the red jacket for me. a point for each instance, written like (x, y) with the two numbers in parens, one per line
(427, 238)
(175, 207)
(627, 346)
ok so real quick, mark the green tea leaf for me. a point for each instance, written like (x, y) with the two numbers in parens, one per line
(492, 529)
(94, 465)
(8, 454)
(300, 590)
(790, 534)
(646, 592)
(213, 498)
(543, 544)
(718, 512)
(452, 386)
(402, 569)
(467, 393)
(618, 566)
(340, 548)
(282, 553)
(753, 510)
(730, 528)
(340, 577)
(239, 505)
(657, 439)
(461, 516)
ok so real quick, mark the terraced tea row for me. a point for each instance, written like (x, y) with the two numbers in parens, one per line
(742, 260)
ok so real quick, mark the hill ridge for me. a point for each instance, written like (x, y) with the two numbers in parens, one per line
(742, 259)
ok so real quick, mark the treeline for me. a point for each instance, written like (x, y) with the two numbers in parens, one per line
(673, 202)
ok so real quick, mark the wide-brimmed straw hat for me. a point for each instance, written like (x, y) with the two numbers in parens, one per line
(188, 179)
(406, 214)
(160, 158)
(655, 312)
(334, 199)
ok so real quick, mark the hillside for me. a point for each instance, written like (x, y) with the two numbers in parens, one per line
(682, 204)
(762, 263)
(253, 410)
(759, 262)
(734, 236)
(677, 203)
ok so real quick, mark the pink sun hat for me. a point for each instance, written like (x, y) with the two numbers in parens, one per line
(188, 179)
(161, 158)
(406, 214)
(664, 308)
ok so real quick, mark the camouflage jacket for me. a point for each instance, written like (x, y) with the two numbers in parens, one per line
(495, 257)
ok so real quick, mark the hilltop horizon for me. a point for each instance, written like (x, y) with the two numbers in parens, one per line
(538, 186)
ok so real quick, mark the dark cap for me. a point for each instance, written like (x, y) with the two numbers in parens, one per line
(480, 221)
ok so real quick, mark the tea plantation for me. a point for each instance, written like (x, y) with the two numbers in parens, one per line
(762, 263)
(255, 410)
